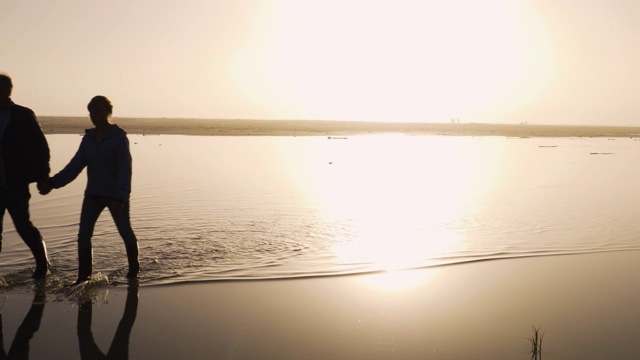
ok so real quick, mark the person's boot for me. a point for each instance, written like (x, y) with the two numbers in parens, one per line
(132, 258)
(85, 265)
(39, 251)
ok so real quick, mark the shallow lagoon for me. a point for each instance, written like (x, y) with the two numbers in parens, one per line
(214, 208)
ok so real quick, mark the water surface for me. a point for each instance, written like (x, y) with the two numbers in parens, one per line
(219, 208)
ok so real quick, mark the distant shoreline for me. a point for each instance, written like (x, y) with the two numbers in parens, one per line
(147, 126)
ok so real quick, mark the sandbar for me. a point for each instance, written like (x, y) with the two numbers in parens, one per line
(218, 127)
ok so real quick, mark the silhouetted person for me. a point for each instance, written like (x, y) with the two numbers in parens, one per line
(30, 325)
(24, 158)
(119, 348)
(104, 150)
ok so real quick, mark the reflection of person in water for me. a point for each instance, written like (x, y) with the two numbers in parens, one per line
(31, 323)
(120, 345)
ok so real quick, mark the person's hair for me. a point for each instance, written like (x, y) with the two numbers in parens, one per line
(5, 83)
(102, 102)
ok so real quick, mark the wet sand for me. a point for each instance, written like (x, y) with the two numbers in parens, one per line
(586, 306)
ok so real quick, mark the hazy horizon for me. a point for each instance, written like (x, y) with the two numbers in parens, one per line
(534, 123)
(497, 61)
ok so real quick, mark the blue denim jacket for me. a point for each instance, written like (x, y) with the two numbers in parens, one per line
(108, 165)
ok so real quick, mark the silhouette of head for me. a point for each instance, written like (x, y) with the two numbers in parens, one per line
(102, 102)
(100, 110)
(5, 86)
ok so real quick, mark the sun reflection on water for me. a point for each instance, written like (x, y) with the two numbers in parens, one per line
(399, 211)
(397, 281)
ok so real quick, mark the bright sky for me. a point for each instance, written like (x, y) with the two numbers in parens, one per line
(501, 61)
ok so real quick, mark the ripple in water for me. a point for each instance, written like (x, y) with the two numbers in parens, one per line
(221, 208)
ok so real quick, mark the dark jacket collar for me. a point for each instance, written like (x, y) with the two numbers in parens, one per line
(113, 130)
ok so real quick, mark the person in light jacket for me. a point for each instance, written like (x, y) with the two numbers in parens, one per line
(104, 151)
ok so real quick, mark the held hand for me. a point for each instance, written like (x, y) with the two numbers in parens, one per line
(44, 186)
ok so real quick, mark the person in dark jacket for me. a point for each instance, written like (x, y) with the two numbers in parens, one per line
(24, 158)
(104, 151)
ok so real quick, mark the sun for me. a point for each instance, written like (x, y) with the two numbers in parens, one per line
(395, 61)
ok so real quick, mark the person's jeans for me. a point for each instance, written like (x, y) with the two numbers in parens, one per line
(16, 202)
(92, 207)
